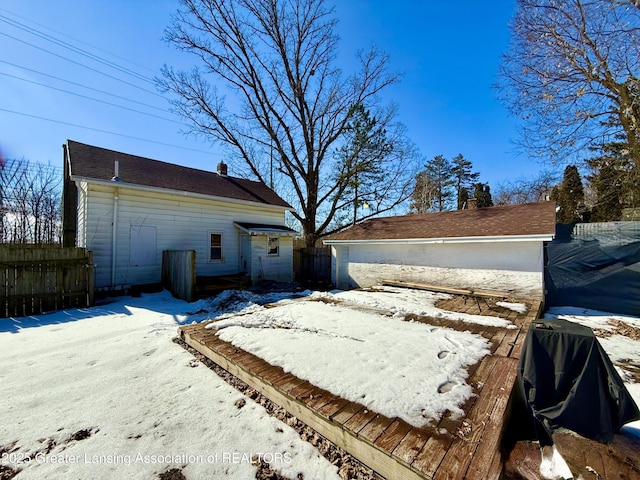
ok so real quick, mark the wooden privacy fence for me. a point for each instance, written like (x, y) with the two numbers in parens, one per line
(312, 264)
(179, 273)
(38, 279)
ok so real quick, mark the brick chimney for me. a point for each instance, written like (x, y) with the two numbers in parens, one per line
(472, 203)
(222, 169)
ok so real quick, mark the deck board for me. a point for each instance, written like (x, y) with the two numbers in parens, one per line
(455, 448)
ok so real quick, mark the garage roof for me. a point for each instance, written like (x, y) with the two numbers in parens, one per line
(524, 222)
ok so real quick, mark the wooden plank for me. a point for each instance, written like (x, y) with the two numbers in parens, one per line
(346, 413)
(432, 453)
(360, 419)
(301, 389)
(372, 430)
(289, 385)
(320, 400)
(393, 435)
(332, 407)
(411, 444)
(284, 380)
(435, 448)
(458, 457)
(481, 463)
(437, 288)
(369, 454)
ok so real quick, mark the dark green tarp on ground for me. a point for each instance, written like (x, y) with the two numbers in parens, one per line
(565, 379)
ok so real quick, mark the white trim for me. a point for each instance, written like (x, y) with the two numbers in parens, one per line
(134, 186)
(406, 241)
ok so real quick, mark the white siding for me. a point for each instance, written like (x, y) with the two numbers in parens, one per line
(340, 267)
(182, 223)
(278, 268)
(505, 266)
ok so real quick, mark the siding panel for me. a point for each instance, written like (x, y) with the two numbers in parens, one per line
(182, 223)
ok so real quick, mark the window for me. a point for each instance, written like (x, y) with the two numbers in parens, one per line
(215, 247)
(273, 246)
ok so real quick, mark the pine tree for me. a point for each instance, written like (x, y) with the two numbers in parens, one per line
(569, 196)
(360, 158)
(464, 178)
(439, 170)
(483, 195)
(610, 181)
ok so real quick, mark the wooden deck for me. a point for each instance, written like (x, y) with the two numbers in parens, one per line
(466, 447)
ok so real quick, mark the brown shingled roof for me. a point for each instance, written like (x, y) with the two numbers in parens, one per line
(507, 220)
(97, 163)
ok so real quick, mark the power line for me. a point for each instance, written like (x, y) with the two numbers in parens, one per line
(81, 64)
(82, 86)
(74, 49)
(89, 98)
(104, 131)
(77, 40)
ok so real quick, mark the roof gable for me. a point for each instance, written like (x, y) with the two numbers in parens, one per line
(95, 163)
(507, 220)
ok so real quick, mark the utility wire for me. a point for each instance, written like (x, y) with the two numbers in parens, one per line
(83, 86)
(74, 49)
(104, 131)
(62, 34)
(81, 64)
(90, 98)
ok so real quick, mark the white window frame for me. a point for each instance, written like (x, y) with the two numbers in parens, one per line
(215, 260)
(277, 246)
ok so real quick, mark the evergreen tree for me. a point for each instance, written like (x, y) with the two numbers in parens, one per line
(463, 198)
(569, 196)
(464, 177)
(439, 171)
(483, 195)
(360, 159)
(611, 182)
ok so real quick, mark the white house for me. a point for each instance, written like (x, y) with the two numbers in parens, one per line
(497, 248)
(127, 210)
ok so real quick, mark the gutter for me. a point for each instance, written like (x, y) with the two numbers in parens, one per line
(181, 193)
(423, 241)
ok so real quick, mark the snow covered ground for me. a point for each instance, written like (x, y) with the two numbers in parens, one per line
(105, 393)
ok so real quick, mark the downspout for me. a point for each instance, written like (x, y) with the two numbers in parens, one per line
(114, 227)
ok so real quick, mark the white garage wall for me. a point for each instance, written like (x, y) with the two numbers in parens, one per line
(515, 267)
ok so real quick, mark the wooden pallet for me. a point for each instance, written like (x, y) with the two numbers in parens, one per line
(468, 447)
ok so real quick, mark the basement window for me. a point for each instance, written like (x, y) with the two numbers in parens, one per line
(273, 247)
(215, 247)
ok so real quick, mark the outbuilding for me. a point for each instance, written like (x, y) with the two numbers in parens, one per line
(128, 209)
(496, 248)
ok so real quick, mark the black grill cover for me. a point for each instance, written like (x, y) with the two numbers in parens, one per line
(565, 379)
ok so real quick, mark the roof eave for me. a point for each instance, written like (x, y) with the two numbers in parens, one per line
(282, 232)
(480, 239)
(183, 193)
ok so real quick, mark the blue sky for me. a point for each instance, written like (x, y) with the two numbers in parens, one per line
(449, 53)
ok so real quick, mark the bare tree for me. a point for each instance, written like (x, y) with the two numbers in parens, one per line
(31, 202)
(425, 193)
(280, 104)
(571, 73)
(527, 190)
